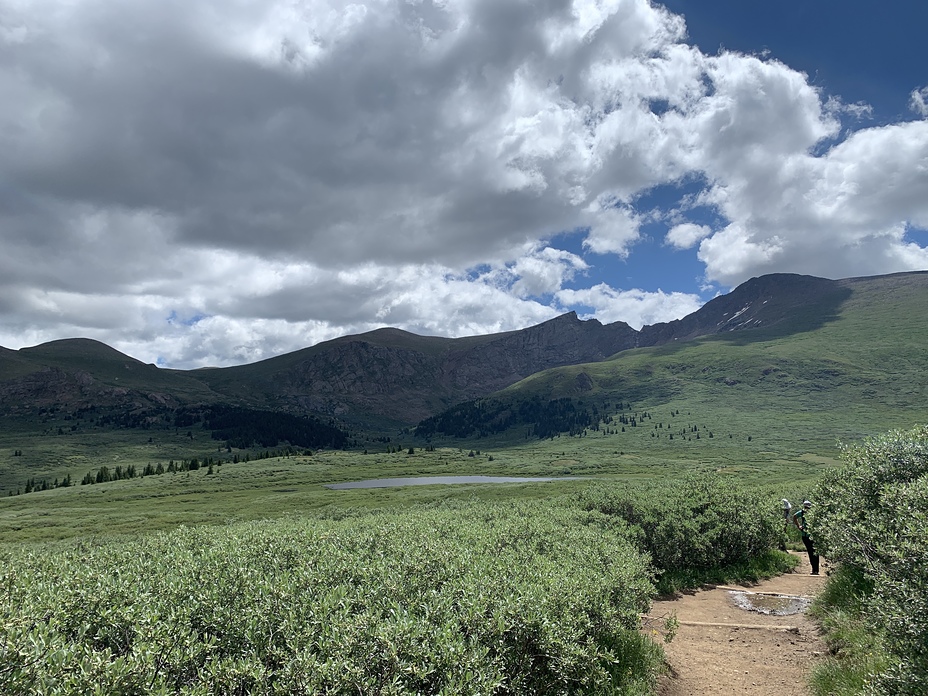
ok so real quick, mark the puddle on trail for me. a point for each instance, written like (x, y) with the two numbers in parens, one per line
(773, 604)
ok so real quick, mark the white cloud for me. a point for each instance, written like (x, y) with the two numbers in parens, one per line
(918, 101)
(274, 308)
(613, 229)
(859, 110)
(840, 214)
(686, 235)
(293, 171)
(637, 308)
(543, 272)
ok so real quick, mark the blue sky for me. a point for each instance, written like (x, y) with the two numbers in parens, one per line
(871, 52)
(863, 52)
(868, 52)
(205, 183)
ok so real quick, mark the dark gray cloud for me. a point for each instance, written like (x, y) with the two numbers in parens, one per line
(208, 182)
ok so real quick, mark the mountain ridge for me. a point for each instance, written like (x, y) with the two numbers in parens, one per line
(394, 376)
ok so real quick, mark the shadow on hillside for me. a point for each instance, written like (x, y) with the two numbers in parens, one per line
(788, 319)
(801, 319)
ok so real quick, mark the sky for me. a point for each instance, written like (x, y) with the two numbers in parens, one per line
(216, 182)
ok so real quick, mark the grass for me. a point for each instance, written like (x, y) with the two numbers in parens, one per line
(295, 485)
(774, 457)
(856, 651)
(251, 490)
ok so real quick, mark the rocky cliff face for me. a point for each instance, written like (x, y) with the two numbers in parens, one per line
(565, 340)
(81, 374)
(55, 386)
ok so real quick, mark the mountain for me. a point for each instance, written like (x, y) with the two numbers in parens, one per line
(783, 302)
(83, 373)
(392, 377)
(800, 359)
(398, 375)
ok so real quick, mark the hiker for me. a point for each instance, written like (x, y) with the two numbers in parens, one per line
(799, 519)
(787, 507)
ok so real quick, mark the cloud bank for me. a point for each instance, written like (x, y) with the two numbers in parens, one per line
(207, 182)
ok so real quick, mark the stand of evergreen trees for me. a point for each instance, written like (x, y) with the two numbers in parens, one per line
(32, 485)
(105, 474)
(483, 417)
(244, 428)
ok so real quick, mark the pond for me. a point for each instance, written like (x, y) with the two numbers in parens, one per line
(444, 480)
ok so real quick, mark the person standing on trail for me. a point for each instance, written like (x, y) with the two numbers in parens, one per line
(799, 519)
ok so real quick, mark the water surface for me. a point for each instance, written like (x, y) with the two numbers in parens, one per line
(773, 604)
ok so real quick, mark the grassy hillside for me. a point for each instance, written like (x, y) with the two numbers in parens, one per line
(766, 395)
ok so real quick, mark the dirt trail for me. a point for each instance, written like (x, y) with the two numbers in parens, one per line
(721, 648)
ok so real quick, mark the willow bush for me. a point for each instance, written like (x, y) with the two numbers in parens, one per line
(695, 527)
(871, 516)
(467, 599)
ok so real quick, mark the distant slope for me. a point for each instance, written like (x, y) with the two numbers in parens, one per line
(848, 361)
(385, 375)
(405, 377)
(80, 372)
(782, 303)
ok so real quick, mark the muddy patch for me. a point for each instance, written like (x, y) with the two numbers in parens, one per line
(771, 604)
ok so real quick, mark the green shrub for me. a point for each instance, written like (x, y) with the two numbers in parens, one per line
(466, 599)
(856, 651)
(692, 527)
(872, 517)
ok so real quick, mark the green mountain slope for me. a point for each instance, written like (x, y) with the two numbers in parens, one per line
(842, 370)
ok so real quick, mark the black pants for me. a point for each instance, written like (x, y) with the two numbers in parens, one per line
(813, 557)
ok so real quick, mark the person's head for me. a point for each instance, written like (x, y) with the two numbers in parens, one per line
(806, 504)
(786, 504)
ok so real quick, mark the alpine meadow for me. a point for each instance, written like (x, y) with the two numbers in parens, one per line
(173, 532)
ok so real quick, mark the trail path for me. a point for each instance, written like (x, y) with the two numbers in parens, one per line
(721, 648)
